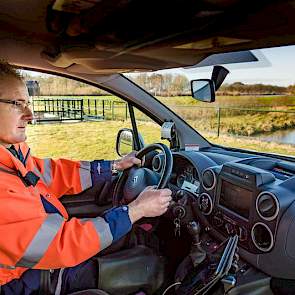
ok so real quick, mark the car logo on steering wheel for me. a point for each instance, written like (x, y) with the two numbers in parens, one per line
(134, 180)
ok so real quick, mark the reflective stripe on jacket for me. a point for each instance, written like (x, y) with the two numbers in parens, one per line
(33, 237)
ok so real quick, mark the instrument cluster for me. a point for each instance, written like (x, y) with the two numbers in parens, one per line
(187, 179)
(184, 174)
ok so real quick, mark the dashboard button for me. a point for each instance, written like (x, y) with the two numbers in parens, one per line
(230, 229)
(205, 204)
(179, 195)
(243, 234)
(217, 221)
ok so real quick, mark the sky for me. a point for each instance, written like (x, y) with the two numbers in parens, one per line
(277, 69)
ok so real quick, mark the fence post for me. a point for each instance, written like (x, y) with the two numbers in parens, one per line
(74, 108)
(57, 106)
(103, 109)
(218, 121)
(82, 108)
(88, 106)
(126, 111)
(53, 101)
(68, 106)
(63, 108)
(95, 106)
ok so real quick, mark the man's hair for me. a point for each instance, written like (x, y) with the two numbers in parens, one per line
(7, 70)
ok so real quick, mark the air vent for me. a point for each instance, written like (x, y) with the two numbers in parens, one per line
(205, 204)
(267, 206)
(157, 163)
(262, 237)
(208, 179)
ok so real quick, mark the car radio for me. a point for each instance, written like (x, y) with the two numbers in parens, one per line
(235, 198)
(234, 206)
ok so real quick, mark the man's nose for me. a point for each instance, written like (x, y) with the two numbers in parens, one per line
(28, 114)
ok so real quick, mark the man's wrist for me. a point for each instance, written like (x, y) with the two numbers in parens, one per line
(135, 213)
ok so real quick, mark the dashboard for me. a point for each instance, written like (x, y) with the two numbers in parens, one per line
(248, 195)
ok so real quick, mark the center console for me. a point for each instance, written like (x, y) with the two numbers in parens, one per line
(237, 204)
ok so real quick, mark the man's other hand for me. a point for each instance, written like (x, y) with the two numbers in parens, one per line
(126, 162)
(150, 203)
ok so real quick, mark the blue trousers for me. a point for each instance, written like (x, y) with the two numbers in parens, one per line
(81, 277)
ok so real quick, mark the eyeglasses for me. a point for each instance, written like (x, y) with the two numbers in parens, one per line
(19, 105)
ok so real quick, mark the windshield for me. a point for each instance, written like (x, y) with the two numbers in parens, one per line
(254, 107)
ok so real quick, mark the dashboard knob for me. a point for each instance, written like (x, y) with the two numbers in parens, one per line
(243, 235)
(230, 229)
(179, 211)
(217, 221)
(194, 230)
(179, 195)
(205, 203)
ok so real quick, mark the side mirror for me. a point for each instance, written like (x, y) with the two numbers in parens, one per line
(125, 142)
(203, 90)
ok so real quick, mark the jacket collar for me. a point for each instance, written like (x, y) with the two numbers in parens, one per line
(7, 160)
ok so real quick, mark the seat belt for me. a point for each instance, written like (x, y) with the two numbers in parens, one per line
(45, 282)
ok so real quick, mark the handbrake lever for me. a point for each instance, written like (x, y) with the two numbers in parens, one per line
(223, 267)
(227, 257)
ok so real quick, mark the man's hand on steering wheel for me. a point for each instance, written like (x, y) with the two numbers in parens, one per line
(126, 162)
(134, 185)
(150, 203)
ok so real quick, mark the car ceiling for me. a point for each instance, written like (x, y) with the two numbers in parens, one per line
(116, 36)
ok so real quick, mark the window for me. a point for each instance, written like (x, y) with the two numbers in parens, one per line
(77, 121)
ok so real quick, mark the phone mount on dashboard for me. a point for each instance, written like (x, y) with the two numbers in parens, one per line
(168, 131)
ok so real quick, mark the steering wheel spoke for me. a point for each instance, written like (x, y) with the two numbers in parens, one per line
(134, 180)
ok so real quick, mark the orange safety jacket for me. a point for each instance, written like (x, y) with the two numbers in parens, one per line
(30, 237)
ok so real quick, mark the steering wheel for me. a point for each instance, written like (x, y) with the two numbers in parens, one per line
(135, 179)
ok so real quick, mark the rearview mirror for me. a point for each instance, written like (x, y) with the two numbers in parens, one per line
(203, 90)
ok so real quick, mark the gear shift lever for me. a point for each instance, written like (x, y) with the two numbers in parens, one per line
(194, 230)
(197, 253)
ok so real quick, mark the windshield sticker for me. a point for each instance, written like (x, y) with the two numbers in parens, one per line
(191, 147)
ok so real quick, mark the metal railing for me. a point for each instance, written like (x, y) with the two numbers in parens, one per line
(63, 109)
(54, 109)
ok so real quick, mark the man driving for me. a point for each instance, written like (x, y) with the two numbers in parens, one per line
(35, 230)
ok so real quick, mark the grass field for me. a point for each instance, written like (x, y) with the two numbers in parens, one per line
(96, 140)
(239, 115)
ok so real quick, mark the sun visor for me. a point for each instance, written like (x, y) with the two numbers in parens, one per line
(227, 58)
